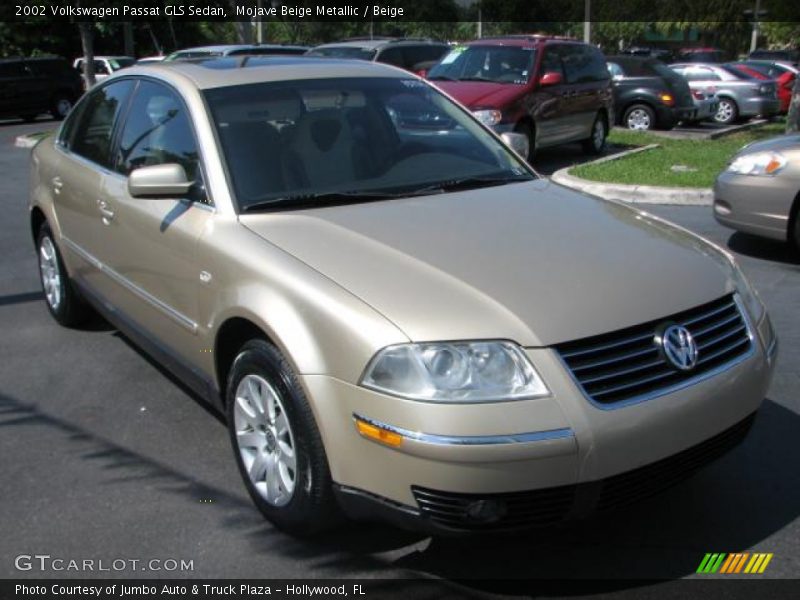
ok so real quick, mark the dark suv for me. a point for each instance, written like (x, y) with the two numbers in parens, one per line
(30, 86)
(552, 90)
(416, 55)
(648, 94)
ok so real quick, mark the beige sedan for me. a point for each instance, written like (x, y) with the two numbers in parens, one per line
(759, 191)
(397, 316)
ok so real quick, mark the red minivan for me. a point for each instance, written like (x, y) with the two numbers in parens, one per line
(552, 90)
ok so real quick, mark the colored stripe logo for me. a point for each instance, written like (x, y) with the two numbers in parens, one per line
(737, 562)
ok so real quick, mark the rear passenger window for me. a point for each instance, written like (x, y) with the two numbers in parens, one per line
(156, 132)
(92, 139)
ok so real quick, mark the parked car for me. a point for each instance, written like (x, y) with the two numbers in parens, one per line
(790, 56)
(235, 50)
(31, 86)
(648, 94)
(706, 105)
(551, 90)
(105, 65)
(662, 54)
(701, 55)
(394, 325)
(415, 55)
(759, 191)
(739, 94)
(783, 73)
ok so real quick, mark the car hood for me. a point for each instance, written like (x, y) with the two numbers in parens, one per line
(781, 142)
(533, 262)
(481, 94)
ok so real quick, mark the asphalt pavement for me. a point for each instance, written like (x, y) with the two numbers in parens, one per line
(104, 456)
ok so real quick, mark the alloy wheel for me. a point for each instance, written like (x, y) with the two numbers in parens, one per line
(265, 440)
(638, 119)
(50, 273)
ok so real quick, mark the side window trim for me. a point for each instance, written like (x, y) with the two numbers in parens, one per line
(82, 104)
(123, 119)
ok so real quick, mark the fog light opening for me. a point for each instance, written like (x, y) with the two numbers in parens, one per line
(486, 511)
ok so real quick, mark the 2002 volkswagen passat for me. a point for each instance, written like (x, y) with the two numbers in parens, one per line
(398, 317)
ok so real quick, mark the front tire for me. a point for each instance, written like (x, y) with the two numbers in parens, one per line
(277, 444)
(727, 112)
(63, 301)
(596, 143)
(639, 117)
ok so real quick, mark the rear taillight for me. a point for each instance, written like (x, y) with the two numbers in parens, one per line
(698, 95)
(765, 90)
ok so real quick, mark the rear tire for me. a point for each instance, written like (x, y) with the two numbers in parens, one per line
(62, 299)
(727, 112)
(277, 444)
(61, 106)
(639, 117)
(596, 143)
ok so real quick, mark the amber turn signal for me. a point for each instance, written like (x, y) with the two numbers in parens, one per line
(378, 434)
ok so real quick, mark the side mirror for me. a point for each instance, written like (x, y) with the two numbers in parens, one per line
(551, 78)
(159, 181)
(518, 142)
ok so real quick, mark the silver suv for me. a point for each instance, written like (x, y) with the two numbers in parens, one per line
(397, 316)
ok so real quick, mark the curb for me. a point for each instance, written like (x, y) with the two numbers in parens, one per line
(634, 194)
(682, 134)
(28, 141)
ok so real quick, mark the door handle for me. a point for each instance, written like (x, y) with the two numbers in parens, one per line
(57, 184)
(106, 211)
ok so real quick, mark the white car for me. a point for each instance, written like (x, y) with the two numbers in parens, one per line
(105, 65)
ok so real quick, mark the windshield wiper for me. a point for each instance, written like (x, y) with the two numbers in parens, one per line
(444, 77)
(316, 200)
(468, 183)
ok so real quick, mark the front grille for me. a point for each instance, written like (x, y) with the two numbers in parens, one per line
(627, 365)
(514, 510)
(632, 486)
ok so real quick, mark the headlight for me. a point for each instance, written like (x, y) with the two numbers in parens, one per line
(454, 372)
(488, 117)
(758, 163)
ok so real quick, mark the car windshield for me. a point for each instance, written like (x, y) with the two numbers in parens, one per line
(343, 52)
(499, 64)
(308, 143)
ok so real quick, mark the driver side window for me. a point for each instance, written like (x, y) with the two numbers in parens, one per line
(157, 131)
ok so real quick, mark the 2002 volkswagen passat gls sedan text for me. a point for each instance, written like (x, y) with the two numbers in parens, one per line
(403, 320)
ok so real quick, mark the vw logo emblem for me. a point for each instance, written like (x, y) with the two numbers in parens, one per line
(679, 347)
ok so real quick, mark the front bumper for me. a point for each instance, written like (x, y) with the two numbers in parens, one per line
(488, 453)
(754, 204)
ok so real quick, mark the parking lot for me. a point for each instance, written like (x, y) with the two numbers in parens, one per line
(105, 456)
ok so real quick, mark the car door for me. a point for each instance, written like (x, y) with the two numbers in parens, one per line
(587, 81)
(550, 103)
(153, 250)
(84, 159)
